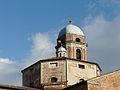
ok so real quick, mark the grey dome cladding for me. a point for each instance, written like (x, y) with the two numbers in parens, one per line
(71, 29)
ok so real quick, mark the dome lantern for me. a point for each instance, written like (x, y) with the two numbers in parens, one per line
(61, 51)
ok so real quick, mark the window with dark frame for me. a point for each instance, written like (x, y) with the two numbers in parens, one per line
(53, 65)
(81, 66)
(54, 79)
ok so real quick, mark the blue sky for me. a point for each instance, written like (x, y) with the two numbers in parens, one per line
(19, 20)
(26, 24)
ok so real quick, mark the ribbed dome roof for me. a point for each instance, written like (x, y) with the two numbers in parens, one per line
(71, 29)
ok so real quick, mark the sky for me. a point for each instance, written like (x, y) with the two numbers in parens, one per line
(29, 29)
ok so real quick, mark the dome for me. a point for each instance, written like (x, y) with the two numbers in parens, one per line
(61, 52)
(71, 29)
(61, 49)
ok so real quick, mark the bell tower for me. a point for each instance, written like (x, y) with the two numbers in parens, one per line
(73, 40)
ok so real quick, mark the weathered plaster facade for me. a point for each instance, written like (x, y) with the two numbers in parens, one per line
(65, 72)
(109, 81)
(77, 70)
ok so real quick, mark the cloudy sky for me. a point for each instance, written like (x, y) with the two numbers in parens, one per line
(29, 28)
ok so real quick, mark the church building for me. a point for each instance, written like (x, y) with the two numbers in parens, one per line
(69, 67)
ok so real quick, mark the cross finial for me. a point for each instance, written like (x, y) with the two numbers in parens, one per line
(70, 21)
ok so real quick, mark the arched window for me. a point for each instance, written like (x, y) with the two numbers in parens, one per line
(78, 54)
(54, 79)
(77, 40)
(60, 54)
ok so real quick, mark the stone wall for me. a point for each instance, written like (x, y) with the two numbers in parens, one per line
(31, 76)
(78, 86)
(53, 74)
(109, 81)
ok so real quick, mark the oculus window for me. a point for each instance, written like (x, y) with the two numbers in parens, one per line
(77, 40)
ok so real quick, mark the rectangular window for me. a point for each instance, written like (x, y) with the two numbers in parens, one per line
(81, 66)
(53, 65)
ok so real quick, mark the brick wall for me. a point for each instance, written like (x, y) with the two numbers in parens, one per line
(109, 81)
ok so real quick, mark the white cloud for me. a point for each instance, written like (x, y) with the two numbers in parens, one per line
(41, 42)
(9, 72)
(6, 60)
(109, 1)
(42, 48)
(104, 42)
